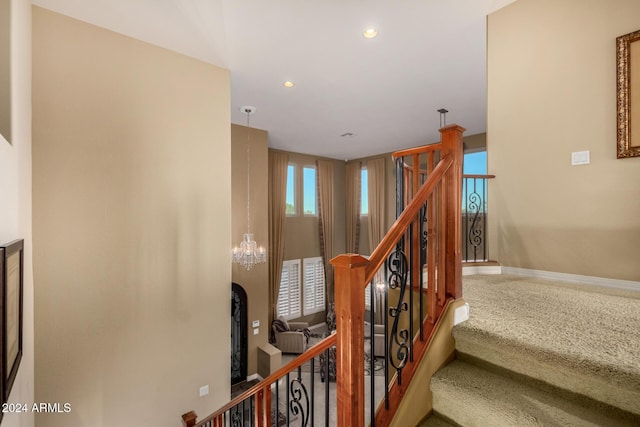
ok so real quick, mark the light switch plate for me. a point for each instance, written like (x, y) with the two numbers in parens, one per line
(255, 324)
(204, 390)
(256, 331)
(580, 158)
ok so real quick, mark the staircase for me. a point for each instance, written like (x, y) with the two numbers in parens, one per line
(541, 353)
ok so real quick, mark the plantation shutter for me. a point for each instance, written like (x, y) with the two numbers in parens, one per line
(314, 285)
(289, 298)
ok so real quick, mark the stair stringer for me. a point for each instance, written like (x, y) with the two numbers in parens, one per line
(417, 402)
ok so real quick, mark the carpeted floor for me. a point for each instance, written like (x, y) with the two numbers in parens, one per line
(566, 332)
(599, 328)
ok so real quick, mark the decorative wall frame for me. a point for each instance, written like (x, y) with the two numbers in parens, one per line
(11, 321)
(628, 95)
(2, 346)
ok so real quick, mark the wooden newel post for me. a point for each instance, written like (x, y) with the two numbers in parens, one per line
(451, 138)
(189, 419)
(349, 274)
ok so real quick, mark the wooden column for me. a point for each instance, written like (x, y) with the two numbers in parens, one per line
(349, 276)
(451, 137)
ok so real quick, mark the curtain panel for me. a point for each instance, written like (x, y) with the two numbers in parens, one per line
(352, 206)
(325, 219)
(377, 196)
(278, 163)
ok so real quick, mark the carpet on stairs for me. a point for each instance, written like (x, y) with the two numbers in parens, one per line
(537, 352)
(580, 338)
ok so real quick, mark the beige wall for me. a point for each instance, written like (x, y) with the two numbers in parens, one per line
(255, 282)
(132, 227)
(15, 188)
(551, 91)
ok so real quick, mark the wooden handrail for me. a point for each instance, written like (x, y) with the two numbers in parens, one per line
(417, 150)
(352, 273)
(266, 383)
(443, 189)
(382, 251)
(476, 176)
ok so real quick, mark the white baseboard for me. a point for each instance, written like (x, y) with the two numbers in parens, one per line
(254, 377)
(627, 285)
(481, 269)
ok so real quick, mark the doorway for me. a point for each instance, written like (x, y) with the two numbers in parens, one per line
(238, 334)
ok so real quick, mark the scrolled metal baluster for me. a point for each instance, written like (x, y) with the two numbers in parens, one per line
(398, 266)
(299, 396)
(475, 233)
(424, 235)
(236, 417)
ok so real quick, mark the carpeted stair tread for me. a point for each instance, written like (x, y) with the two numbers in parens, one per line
(472, 396)
(578, 338)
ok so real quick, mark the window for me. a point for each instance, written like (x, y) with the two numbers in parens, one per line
(297, 298)
(475, 163)
(364, 192)
(309, 191)
(314, 286)
(289, 301)
(291, 190)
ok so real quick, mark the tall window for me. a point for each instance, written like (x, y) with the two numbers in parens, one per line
(289, 296)
(364, 189)
(309, 190)
(291, 190)
(313, 285)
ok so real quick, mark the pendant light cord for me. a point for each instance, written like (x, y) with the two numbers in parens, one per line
(248, 171)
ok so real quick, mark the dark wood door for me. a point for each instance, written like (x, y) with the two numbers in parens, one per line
(238, 334)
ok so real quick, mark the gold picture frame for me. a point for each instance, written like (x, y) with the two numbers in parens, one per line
(12, 269)
(628, 95)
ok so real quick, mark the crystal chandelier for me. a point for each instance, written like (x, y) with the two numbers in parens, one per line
(249, 253)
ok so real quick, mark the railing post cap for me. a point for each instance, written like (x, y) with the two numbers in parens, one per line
(452, 126)
(189, 418)
(349, 261)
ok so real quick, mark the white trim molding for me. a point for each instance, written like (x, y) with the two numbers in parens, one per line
(627, 285)
(481, 269)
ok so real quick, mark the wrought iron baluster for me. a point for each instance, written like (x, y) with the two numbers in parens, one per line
(372, 343)
(474, 207)
(287, 400)
(313, 390)
(326, 387)
(398, 266)
(299, 404)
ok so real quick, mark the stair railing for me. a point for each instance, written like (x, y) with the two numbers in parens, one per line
(425, 235)
(474, 217)
(284, 398)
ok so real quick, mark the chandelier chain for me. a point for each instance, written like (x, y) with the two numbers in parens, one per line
(248, 174)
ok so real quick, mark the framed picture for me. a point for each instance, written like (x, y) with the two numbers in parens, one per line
(628, 95)
(12, 272)
(2, 394)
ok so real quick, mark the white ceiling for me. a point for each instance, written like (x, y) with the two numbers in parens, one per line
(429, 54)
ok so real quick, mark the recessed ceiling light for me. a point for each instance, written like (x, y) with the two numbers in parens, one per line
(370, 33)
(288, 84)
